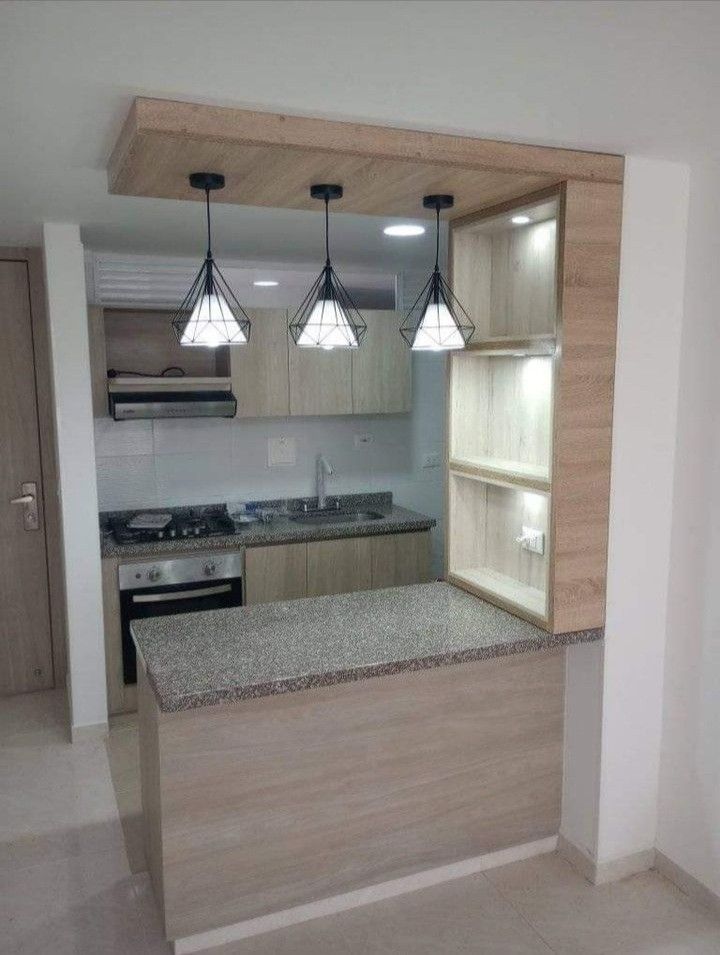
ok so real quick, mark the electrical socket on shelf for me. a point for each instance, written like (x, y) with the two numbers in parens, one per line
(532, 540)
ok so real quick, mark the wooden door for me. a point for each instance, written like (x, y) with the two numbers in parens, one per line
(320, 381)
(339, 566)
(25, 639)
(381, 367)
(275, 573)
(399, 559)
(259, 370)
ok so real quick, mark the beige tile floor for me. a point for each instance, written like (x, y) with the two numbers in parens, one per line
(73, 880)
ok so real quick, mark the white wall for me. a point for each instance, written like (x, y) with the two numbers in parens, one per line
(67, 312)
(689, 813)
(611, 784)
(167, 463)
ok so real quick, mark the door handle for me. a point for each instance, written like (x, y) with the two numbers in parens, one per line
(28, 499)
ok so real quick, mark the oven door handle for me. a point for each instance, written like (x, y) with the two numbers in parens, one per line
(181, 595)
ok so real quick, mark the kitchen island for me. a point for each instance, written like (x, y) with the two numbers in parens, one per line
(297, 751)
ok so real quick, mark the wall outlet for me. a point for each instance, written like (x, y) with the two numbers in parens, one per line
(431, 460)
(532, 540)
(361, 440)
(281, 452)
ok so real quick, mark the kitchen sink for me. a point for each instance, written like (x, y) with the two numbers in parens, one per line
(336, 517)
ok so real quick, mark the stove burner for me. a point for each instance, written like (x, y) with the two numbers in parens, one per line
(212, 525)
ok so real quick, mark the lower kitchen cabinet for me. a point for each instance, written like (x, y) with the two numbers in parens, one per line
(286, 571)
(339, 566)
(399, 559)
(275, 573)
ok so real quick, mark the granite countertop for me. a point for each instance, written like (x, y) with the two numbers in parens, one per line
(202, 659)
(283, 530)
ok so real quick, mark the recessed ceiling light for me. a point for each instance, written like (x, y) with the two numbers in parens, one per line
(520, 220)
(266, 283)
(404, 230)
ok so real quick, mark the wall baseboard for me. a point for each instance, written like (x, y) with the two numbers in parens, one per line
(600, 873)
(91, 731)
(352, 900)
(687, 883)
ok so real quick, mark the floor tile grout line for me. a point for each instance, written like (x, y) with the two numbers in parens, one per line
(520, 914)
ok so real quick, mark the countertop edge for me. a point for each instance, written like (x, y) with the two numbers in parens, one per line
(178, 704)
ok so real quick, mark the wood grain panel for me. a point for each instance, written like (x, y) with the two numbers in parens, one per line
(271, 159)
(339, 566)
(584, 403)
(259, 369)
(143, 341)
(275, 573)
(26, 660)
(272, 803)
(320, 381)
(382, 367)
(98, 361)
(400, 559)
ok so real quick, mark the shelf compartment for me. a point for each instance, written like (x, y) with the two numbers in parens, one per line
(486, 521)
(501, 416)
(522, 346)
(529, 477)
(505, 273)
(504, 590)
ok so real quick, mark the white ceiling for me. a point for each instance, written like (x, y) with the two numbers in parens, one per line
(632, 77)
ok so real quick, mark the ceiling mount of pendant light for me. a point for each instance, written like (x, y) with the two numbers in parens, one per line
(437, 321)
(327, 317)
(210, 315)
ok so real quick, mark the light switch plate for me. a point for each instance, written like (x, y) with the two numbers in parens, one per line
(281, 452)
(431, 460)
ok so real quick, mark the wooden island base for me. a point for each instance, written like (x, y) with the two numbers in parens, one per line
(258, 806)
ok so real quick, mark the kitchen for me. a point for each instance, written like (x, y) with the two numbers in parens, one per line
(273, 564)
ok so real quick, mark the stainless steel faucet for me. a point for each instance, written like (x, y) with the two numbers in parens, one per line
(322, 468)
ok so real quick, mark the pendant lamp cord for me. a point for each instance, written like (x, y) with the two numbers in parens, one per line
(437, 237)
(327, 230)
(207, 208)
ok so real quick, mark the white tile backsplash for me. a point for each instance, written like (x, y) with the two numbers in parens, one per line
(167, 463)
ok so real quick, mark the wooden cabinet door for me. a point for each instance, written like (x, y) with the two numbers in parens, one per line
(259, 369)
(98, 361)
(339, 566)
(275, 573)
(381, 367)
(320, 381)
(399, 559)
(25, 643)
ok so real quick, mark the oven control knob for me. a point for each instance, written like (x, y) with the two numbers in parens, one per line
(154, 574)
(210, 569)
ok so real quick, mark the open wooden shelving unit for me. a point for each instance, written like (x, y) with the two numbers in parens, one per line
(530, 404)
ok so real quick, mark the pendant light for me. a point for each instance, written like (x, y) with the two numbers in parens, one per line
(327, 317)
(437, 321)
(210, 315)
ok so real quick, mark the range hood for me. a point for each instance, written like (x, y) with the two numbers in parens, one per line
(134, 397)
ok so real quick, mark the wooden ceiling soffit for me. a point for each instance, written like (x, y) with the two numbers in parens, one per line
(270, 160)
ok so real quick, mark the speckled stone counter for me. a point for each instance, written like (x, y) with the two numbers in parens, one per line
(283, 530)
(202, 659)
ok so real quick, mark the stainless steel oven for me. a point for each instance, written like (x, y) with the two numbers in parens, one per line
(176, 585)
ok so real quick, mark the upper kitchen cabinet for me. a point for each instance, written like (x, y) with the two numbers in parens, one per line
(259, 369)
(381, 367)
(530, 404)
(320, 381)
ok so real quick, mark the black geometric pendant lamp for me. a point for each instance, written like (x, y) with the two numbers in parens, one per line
(327, 317)
(210, 315)
(437, 321)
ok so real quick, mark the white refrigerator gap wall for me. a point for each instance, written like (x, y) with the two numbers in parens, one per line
(689, 812)
(67, 313)
(622, 685)
(173, 462)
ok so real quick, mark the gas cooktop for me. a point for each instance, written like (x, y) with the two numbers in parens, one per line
(211, 525)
